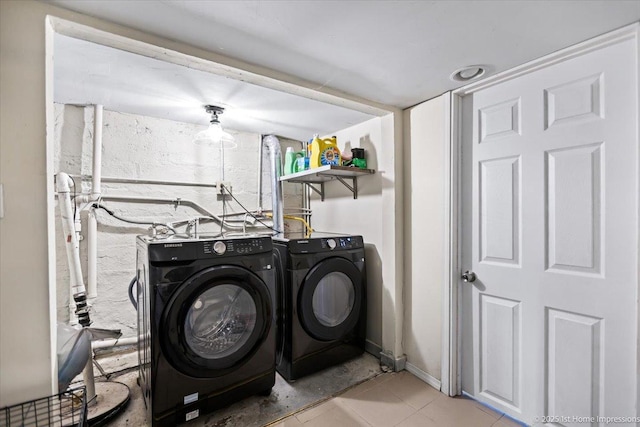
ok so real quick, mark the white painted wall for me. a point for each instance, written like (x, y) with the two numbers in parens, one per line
(26, 367)
(424, 219)
(376, 215)
(139, 147)
(340, 213)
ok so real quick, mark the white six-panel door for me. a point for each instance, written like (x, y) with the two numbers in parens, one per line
(550, 228)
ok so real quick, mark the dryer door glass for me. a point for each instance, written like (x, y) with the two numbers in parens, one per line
(220, 321)
(333, 299)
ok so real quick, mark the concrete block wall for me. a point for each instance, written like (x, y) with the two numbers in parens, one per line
(138, 147)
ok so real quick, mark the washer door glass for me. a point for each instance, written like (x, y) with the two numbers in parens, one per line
(333, 299)
(220, 321)
(215, 320)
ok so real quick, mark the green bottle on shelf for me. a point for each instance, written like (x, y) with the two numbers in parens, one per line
(291, 163)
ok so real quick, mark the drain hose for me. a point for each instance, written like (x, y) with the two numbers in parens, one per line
(133, 300)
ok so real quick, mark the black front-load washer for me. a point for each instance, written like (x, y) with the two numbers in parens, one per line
(323, 307)
(206, 323)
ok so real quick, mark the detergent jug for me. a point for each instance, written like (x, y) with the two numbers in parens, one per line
(291, 163)
(324, 152)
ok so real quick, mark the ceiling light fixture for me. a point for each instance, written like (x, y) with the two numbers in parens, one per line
(214, 134)
(470, 72)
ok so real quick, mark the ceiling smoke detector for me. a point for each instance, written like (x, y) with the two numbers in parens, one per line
(470, 72)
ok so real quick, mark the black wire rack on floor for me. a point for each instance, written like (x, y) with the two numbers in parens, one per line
(64, 409)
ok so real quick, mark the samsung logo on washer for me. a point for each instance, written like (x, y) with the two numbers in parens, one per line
(173, 245)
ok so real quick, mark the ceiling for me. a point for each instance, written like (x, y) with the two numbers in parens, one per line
(398, 53)
(88, 73)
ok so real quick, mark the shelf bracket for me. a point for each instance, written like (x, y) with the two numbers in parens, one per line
(320, 191)
(353, 188)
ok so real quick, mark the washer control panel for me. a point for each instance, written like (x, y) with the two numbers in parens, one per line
(219, 247)
(186, 249)
(236, 247)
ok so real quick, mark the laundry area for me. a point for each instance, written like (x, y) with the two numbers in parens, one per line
(192, 204)
(285, 214)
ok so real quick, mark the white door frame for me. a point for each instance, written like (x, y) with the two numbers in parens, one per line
(451, 366)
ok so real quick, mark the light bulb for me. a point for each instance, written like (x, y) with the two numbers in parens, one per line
(214, 135)
(214, 131)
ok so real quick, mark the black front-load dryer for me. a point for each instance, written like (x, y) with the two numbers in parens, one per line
(323, 307)
(206, 323)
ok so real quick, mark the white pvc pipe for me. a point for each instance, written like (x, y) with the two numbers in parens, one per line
(96, 190)
(96, 174)
(114, 342)
(89, 382)
(92, 255)
(63, 184)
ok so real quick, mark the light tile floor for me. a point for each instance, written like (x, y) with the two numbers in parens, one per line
(396, 399)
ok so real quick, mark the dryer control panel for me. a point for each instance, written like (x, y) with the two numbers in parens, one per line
(341, 243)
(325, 244)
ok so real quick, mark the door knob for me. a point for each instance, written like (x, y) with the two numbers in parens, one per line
(469, 276)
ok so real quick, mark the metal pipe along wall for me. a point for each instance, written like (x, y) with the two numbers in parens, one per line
(275, 156)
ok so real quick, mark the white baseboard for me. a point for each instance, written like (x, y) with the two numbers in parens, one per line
(432, 381)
